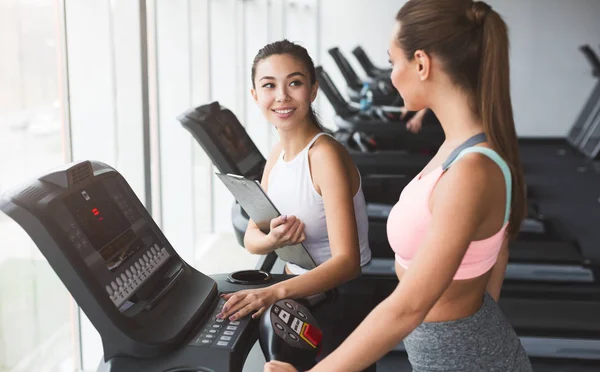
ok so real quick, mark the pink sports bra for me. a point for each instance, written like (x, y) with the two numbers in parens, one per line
(410, 218)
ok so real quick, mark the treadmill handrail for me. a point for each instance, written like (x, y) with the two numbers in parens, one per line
(592, 58)
(364, 60)
(192, 120)
(366, 63)
(383, 127)
(351, 77)
(341, 106)
(339, 103)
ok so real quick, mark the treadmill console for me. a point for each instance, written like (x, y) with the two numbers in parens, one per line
(224, 140)
(120, 248)
(152, 310)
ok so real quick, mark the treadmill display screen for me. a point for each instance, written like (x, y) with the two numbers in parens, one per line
(107, 229)
(234, 141)
(98, 217)
(106, 221)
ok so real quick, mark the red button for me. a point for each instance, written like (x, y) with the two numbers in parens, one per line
(312, 334)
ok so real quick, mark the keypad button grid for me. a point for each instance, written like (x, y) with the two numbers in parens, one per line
(124, 286)
(220, 333)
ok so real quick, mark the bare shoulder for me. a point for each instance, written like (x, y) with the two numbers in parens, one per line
(327, 150)
(332, 166)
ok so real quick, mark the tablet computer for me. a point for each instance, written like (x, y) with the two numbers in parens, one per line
(261, 209)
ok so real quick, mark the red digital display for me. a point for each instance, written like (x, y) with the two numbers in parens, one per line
(96, 213)
(101, 220)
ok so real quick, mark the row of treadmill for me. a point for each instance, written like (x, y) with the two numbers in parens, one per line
(551, 293)
(156, 313)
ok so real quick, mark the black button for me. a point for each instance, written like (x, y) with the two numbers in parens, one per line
(289, 305)
(302, 315)
(293, 336)
(279, 326)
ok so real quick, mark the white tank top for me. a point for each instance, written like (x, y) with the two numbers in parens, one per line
(292, 191)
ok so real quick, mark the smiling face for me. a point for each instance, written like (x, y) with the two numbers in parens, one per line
(283, 91)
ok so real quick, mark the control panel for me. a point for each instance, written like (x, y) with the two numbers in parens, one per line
(220, 333)
(288, 332)
(294, 324)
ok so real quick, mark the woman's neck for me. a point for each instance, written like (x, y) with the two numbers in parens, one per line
(452, 108)
(295, 139)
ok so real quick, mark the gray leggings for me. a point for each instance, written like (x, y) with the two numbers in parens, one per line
(484, 341)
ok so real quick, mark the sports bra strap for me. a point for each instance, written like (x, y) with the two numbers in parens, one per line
(478, 138)
(501, 163)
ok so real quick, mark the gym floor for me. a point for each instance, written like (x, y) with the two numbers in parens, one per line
(398, 362)
(566, 187)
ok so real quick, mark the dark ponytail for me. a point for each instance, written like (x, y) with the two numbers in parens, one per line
(495, 107)
(296, 51)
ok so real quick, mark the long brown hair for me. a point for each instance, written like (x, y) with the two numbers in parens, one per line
(471, 41)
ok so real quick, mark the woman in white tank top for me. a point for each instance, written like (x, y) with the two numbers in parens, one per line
(311, 179)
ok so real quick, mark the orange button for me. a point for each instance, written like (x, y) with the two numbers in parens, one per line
(312, 334)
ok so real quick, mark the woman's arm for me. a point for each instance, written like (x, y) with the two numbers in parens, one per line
(257, 242)
(494, 285)
(459, 205)
(283, 231)
(415, 124)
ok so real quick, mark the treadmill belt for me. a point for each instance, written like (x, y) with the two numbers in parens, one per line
(553, 168)
(552, 317)
(544, 252)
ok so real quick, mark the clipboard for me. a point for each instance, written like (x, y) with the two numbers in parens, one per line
(261, 209)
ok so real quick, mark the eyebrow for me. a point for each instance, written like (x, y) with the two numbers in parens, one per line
(388, 52)
(297, 73)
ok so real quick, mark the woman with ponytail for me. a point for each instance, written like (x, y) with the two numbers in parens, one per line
(451, 226)
(313, 182)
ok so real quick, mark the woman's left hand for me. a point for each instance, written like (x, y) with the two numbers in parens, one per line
(242, 303)
(276, 366)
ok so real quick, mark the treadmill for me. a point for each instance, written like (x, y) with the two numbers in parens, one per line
(383, 91)
(590, 110)
(152, 310)
(590, 143)
(371, 70)
(229, 147)
(389, 132)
